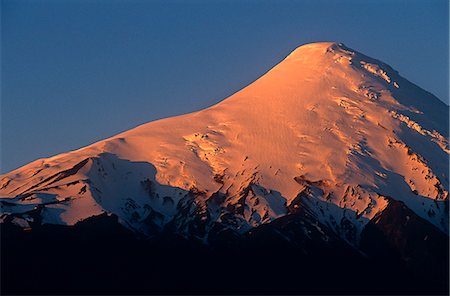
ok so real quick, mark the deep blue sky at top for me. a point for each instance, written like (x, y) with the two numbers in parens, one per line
(75, 72)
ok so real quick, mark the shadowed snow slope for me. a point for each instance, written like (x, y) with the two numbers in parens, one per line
(328, 129)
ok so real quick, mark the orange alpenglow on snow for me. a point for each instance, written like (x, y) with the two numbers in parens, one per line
(327, 127)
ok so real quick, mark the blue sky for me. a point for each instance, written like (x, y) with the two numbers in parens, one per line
(75, 72)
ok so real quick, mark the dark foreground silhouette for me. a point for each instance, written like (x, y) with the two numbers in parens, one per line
(99, 256)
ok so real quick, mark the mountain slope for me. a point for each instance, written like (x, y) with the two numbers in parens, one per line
(327, 128)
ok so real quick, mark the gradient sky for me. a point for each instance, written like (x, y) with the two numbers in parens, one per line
(75, 72)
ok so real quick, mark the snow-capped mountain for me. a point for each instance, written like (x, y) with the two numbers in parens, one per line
(328, 129)
(330, 146)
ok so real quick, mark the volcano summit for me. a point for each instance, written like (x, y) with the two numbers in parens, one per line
(329, 174)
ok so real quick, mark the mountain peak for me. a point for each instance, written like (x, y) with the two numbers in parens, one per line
(334, 128)
(318, 48)
(328, 153)
(321, 44)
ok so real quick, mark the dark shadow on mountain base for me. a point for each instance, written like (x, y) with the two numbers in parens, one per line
(99, 256)
(399, 233)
